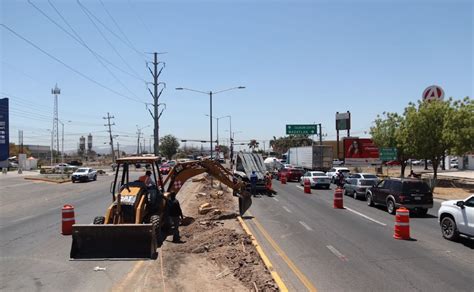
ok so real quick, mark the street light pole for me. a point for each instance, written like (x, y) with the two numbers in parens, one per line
(210, 105)
(210, 117)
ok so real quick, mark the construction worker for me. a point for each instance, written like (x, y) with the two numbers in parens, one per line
(175, 214)
(253, 183)
(146, 179)
(268, 182)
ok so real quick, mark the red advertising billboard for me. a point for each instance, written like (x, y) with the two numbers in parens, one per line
(360, 151)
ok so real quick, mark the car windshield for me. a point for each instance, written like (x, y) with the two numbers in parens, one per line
(370, 176)
(344, 170)
(82, 170)
(319, 174)
(368, 182)
(415, 186)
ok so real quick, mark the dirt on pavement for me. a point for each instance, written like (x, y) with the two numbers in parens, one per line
(217, 255)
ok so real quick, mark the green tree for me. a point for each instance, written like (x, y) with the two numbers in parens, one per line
(169, 146)
(460, 127)
(282, 144)
(426, 130)
(388, 132)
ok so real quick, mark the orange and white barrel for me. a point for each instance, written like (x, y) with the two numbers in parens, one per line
(67, 219)
(402, 224)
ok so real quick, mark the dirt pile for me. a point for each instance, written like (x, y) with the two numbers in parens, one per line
(218, 237)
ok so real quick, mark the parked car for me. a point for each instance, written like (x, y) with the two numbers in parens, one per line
(332, 172)
(84, 174)
(165, 168)
(316, 178)
(358, 183)
(413, 194)
(337, 162)
(457, 217)
(292, 174)
(392, 163)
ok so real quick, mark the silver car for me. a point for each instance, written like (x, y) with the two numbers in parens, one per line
(358, 183)
(316, 178)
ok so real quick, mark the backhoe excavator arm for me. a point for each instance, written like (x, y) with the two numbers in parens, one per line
(181, 172)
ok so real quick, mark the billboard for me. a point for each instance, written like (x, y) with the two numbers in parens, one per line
(343, 121)
(4, 134)
(360, 152)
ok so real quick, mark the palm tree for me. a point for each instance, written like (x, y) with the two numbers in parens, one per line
(253, 144)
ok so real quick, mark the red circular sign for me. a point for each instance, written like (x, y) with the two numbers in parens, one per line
(433, 92)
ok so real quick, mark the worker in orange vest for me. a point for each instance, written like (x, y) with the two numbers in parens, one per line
(146, 179)
(268, 183)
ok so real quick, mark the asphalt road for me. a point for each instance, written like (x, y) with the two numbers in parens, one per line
(34, 256)
(313, 246)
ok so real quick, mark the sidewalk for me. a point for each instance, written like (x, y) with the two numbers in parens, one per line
(458, 174)
(14, 173)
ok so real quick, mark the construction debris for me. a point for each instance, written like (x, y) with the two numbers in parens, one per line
(217, 236)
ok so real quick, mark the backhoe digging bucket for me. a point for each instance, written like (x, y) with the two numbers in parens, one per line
(108, 241)
(245, 201)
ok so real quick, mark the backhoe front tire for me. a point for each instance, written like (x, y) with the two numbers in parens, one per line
(99, 220)
(155, 220)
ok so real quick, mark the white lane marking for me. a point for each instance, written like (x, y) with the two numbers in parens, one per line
(23, 219)
(300, 187)
(337, 253)
(306, 226)
(365, 216)
(275, 199)
(286, 209)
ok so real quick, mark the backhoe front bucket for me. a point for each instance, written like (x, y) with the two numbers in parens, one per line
(109, 241)
(245, 201)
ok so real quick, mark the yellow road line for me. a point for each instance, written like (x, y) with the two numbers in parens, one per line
(285, 258)
(264, 257)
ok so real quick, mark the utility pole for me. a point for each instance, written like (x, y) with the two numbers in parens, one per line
(118, 149)
(138, 141)
(156, 95)
(110, 134)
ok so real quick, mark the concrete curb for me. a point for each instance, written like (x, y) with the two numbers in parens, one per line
(47, 180)
(264, 257)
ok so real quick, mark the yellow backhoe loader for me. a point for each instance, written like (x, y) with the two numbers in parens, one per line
(134, 224)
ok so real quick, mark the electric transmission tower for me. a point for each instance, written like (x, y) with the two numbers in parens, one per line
(55, 133)
(109, 125)
(156, 95)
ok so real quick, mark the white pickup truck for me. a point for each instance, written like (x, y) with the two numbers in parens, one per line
(457, 217)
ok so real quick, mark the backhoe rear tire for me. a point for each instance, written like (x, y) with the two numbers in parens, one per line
(99, 220)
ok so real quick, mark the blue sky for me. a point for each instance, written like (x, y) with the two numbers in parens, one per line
(301, 61)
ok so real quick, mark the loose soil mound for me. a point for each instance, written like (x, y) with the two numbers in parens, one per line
(218, 238)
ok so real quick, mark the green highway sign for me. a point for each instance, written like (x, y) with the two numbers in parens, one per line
(387, 154)
(301, 129)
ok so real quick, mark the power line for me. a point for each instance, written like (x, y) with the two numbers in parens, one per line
(117, 26)
(68, 66)
(78, 39)
(84, 44)
(112, 32)
(87, 13)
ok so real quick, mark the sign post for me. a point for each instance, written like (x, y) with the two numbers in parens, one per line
(343, 122)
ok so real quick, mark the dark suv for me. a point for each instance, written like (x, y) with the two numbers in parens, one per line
(413, 194)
